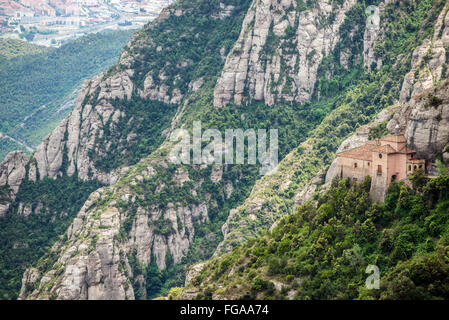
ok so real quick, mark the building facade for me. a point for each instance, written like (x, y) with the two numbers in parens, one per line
(384, 160)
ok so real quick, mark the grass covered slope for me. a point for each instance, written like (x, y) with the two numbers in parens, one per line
(36, 84)
(323, 249)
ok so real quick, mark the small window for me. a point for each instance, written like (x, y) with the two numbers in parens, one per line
(355, 165)
(420, 166)
(414, 167)
(380, 155)
(369, 163)
(409, 168)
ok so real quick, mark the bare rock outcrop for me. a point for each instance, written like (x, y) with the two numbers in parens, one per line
(429, 60)
(75, 136)
(252, 73)
(12, 173)
(96, 258)
(426, 121)
(86, 267)
(12, 170)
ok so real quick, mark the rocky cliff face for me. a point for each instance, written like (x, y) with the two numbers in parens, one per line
(429, 60)
(279, 50)
(152, 211)
(70, 147)
(117, 226)
(426, 119)
(67, 149)
(12, 172)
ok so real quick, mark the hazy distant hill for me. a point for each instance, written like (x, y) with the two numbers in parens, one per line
(11, 48)
(101, 210)
(37, 84)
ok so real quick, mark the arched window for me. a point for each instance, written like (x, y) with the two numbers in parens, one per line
(380, 155)
(355, 165)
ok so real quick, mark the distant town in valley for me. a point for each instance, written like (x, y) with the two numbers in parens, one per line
(54, 22)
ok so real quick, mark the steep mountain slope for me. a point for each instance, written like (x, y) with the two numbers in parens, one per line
(299, 173)
(229, 64)
(411, 228)
(136, 129)
(277, 264)
(237, 179)
(38, 86)
(279, 50)
(322, 251)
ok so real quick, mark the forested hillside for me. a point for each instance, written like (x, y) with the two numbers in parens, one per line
(10, 48)
(323, 249)
(37, 84)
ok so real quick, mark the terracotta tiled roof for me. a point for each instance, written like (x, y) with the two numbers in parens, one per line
(392, 138)
(365, 152)
(361, 153)
(404, 148)
(384, 149)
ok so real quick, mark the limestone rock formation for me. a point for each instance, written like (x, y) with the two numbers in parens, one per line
(428, 60)
(278, 52)
(12, 170)
(93, 258)
(67, 148)
(73, 138)
(426, 120)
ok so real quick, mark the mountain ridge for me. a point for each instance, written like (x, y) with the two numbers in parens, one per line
(135, 237)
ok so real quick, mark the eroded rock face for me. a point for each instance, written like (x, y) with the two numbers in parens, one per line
(74, 138)
(193, 272)
(113, 228)
(76, 135)
(12, 170)
(428, 60)
(252, 73)
(426, 121)
(424, 113)
(86, 267)
(12, 173)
